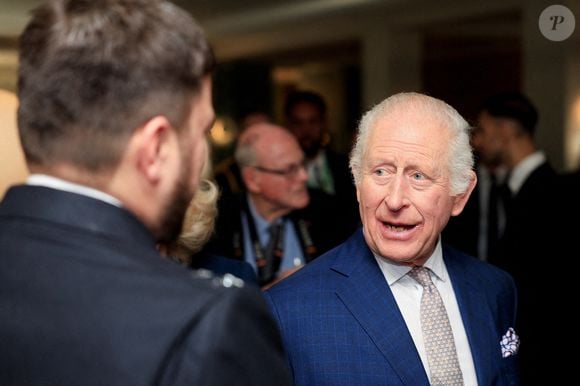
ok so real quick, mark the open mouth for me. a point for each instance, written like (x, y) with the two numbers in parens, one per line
(398, 228)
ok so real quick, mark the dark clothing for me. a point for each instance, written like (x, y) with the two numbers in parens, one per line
(220, 265)
(341, 324)
(228, 177)
(321, 220)
(534, 247)
(345, 191)
(462, 231)
(85, 299)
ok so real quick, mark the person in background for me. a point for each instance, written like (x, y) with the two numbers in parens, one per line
(478, 229)
(227, 173)
(198, 227)
(393, 305)
(534, 240)
(277, 225)
(306, 117)
(115, 104)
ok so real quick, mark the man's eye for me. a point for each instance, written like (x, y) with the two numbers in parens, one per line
(380, 172)
(418, 176)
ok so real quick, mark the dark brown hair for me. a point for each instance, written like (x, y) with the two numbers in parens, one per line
(92, 71)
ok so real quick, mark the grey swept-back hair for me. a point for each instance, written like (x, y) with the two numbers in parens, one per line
(460, 156)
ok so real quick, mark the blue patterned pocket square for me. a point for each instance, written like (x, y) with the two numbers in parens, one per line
(510, 343)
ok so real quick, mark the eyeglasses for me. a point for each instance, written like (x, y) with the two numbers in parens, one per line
(290, 172)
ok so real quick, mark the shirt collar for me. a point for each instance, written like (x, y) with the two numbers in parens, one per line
(67, 186)
(522, 170)
(393, 272)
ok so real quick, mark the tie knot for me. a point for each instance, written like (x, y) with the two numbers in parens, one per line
(274, 228)
(421, 275)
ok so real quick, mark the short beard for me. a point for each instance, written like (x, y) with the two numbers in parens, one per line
(173, 214)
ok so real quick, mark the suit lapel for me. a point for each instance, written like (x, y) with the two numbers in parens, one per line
(367, 295)
(476, 315)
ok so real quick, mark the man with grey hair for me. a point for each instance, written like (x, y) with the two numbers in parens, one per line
(277, 225)
(392, 305)
(115, 104)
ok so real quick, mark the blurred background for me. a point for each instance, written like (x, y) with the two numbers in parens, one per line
(357, 52)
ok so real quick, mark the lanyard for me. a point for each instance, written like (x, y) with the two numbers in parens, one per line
(268, 260)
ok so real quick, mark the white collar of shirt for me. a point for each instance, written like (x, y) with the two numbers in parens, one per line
(60, 184)
(393, 272)
(522, 170)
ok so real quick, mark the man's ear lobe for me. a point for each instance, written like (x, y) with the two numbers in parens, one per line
(461, 199)
(152, 142)
(249, 177)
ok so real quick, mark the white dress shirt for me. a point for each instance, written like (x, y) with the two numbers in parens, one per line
(407, 293)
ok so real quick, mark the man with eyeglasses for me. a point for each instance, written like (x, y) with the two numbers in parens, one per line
(277, 225)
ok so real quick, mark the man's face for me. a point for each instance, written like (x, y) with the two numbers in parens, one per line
(307, 124)
(192, 160)
(282, 193)
(488, 141)
(405, 193)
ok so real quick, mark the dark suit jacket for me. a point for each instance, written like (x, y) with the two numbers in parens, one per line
(85, 299)
(341, 325)
(228, 177)
(462, 232)
(220, 265)
(345, 191)
(322, 217)
(536, 243)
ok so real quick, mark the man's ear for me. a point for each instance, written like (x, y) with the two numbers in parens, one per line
(460, 199)
(153, 146)
(249, 177)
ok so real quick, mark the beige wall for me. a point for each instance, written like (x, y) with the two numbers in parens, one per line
(12, 166)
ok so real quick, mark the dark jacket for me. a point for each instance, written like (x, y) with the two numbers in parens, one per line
(85, 299)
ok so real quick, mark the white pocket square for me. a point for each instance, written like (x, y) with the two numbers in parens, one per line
(509, 343)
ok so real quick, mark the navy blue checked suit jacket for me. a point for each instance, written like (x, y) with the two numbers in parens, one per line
(341, 325)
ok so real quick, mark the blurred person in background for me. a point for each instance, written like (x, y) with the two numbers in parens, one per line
(227, 174)
(478, 229)
(198, 227)
(277, 225)
(305, 114)
(534, 239)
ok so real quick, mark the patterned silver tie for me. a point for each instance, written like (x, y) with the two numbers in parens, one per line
(437, 335)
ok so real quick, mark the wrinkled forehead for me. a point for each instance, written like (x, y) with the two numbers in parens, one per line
(410, 126)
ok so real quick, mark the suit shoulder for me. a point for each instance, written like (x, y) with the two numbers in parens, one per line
(477, 268)
(315, 274)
